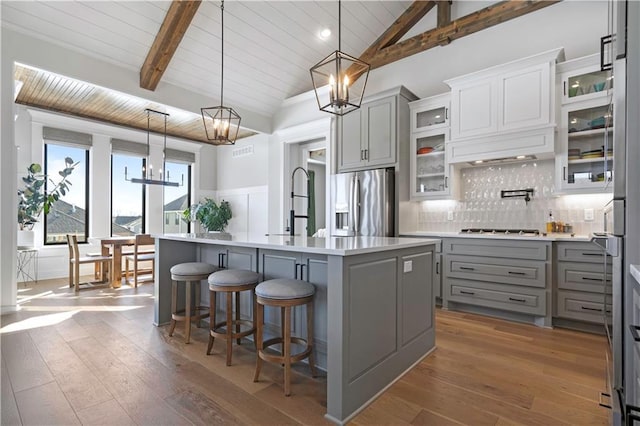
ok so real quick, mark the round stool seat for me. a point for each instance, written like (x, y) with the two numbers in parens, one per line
(192, 270)
(233, 277)
(285, 288)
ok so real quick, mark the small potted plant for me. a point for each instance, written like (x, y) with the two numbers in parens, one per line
(214, 217)
(33, 200)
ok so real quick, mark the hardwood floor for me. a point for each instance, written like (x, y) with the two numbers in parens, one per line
(95, 359)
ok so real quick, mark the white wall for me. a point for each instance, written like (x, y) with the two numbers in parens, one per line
(247, 167)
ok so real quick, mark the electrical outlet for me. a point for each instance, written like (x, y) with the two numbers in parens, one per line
(588, 215)
(449, 215)
(408, 265)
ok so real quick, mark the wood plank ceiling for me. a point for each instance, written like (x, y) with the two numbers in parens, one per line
(269, 47)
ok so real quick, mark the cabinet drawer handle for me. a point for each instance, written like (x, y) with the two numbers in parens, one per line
(564, 90)
(593, 254)
(586, 308)
(466, 268)
(438, 268)
(362, 154)
(446, 181)
(564, 173)
(592, 279)
(471, 293)
(446, 113)
(517, 273)
(634, 332)
(513, 299)
(366, 154)
(602, 404)
(302, 266)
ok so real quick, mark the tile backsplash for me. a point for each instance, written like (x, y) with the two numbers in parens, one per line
(480, 205)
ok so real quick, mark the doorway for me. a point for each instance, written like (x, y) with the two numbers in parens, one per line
(312, 157)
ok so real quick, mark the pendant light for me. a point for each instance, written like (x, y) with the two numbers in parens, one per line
(221, 123)
(147, 172)
(346, 77)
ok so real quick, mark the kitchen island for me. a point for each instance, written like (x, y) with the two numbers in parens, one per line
(373, 309)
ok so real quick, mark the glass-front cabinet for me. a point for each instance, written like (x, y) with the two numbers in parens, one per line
(586, 147)
(430, 113)
(582, 79)
(430, 171)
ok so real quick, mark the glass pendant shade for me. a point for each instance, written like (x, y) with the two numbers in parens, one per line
(221, 124)
(345, 92)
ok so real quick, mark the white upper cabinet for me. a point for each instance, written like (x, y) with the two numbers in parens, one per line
(581, 79)
(496, 103)
(430, 113)
(474, 108)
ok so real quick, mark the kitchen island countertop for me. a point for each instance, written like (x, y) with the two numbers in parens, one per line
(339, 246)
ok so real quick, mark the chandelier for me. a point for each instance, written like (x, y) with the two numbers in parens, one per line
(147, 172)
(221, 123)
(346, 77)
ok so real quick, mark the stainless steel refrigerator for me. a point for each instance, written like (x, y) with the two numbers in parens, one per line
(363, 203)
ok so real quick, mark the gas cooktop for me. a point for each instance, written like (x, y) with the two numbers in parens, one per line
(514, 232)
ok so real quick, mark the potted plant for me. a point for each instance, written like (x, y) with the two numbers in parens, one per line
(214, 217)
(33, 200)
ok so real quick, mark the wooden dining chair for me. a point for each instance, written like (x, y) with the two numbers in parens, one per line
(143, 251)
(75, 260)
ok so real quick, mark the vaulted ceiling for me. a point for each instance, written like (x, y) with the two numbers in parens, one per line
(269, 46)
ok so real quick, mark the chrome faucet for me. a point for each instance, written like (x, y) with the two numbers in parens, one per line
(292, 213)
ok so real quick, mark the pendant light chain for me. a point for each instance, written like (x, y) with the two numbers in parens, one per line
(339, 26)
(222, 52)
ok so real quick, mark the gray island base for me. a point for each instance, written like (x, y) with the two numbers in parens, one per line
(373, 310)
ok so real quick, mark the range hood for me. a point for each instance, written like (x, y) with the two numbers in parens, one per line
(526, 145)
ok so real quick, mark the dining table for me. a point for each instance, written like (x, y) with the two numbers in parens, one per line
(114, 246)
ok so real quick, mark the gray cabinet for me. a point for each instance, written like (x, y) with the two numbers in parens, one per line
(229, 257)
(498, 277)
(308, 267)
(583, 286)
(370, 135)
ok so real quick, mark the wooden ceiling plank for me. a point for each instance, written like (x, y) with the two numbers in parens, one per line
(171, 31)
(469, 24)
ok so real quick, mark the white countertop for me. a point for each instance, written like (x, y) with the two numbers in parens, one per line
(341, 246)
(548, 237)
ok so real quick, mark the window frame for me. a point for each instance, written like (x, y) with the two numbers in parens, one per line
(144, 197)
(86, 193)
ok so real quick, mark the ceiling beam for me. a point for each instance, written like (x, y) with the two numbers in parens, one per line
(469, 24)
(400, 27)
(444, 12)
(171, 31)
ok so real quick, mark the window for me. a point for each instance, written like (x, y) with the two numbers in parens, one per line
(127, 199)
(177, 199)
(70, 214)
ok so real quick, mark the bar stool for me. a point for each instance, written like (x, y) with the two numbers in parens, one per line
(190, 272)
(284, 294)
(231, 282)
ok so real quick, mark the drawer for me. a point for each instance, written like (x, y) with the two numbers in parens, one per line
(499, 296)
(580, 252)
(582, 306)
(503, 248)
(506, 271)
(582, 277)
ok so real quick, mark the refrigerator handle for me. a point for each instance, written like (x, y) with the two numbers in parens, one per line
(356, 206)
